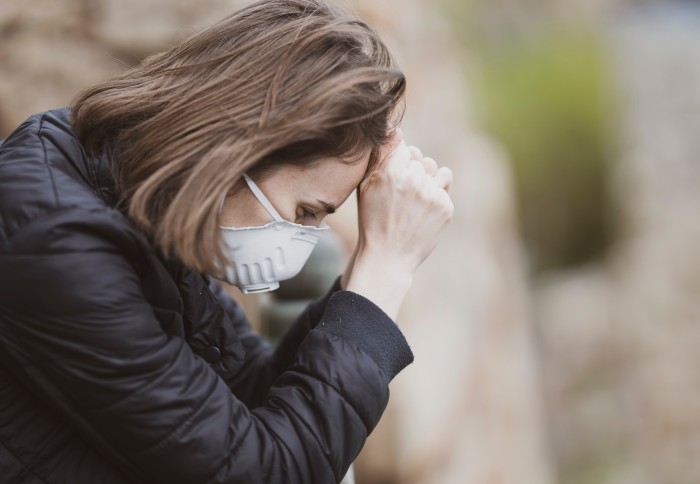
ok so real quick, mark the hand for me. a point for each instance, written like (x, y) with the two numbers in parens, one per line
(402, 207)
(394, 141)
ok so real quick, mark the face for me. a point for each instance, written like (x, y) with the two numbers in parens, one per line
(301, 194)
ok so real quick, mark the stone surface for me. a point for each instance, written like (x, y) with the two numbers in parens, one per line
(620, 339)
(657, 266)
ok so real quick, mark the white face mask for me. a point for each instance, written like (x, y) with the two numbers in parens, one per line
(260, 257)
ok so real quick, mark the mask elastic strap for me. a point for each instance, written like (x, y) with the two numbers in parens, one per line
(262, 198)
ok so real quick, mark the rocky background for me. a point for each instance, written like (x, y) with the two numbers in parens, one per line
(621, 335)
(566, 354)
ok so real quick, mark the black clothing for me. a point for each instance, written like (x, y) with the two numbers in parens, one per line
(117, 365)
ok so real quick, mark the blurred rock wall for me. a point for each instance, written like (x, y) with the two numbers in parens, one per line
(51, 49)
(657, 267)
(620, 339)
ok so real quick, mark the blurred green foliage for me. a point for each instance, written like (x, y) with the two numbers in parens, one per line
(546, 99)
(541, 89)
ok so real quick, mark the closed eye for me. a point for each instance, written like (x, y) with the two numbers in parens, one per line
(309, 214)
(308, 217)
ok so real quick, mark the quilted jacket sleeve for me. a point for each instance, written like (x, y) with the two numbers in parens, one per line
(263, 363)
(82, 334)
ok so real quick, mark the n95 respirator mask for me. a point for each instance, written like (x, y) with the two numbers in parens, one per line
(259, 257)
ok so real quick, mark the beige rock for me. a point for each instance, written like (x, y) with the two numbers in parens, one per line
(621, 339)
(657, 266)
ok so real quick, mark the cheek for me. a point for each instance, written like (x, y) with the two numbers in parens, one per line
(281, 189)
(242, 209)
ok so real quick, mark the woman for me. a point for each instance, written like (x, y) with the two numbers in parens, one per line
(122, 359)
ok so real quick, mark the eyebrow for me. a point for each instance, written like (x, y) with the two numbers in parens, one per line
(329, 208)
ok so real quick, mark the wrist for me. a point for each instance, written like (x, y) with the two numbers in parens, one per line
(382, 281)
(345, 278)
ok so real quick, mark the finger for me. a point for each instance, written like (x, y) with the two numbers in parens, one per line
(400, 155)
(417, 167)
(443, 178)
(416, 153)
(430, 166)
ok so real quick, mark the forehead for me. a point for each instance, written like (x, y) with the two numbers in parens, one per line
(332, 172)
(330, 179)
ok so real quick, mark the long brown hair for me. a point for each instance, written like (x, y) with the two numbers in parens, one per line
(277, 82)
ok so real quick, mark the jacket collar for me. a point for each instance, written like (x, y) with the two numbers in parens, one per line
(103, 180)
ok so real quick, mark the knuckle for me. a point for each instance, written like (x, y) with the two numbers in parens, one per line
(450, 211)
(415, 151)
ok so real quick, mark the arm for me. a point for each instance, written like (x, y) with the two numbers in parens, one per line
(263, 364)
(80, 332)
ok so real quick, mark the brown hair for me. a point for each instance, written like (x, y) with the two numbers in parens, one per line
(277, 82)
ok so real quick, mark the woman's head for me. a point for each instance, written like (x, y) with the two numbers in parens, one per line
(278, 83)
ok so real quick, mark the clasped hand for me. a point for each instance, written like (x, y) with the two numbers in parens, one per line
(403, 205)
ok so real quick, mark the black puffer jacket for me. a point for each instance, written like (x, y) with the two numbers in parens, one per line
(119, 366)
